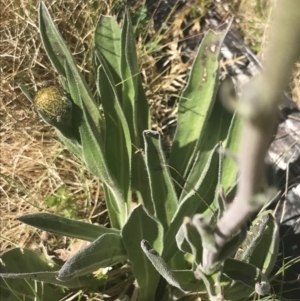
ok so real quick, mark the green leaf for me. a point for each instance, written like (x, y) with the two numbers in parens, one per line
(112, 207)
(188, 281)
(221, 200)
(24, 290)
(64, 226)
(93, 151)
(188, 234)
(273, 241)
(195, 106)
(233, 244)
(242, 272)
(192, 203)
(265, 252)
(28, 290)
(105, 251)
(20, 264)
(53, 42)
(135, 105)
(212, 283)
(46, 277)
(182, 243)
(237, 291)
(141, 225)
(58, 53)
(231, 145)
(162, 191)
(159, 264)
(136, 110)
(254, 237)
(72, 145)
(117, 135)
(215, 132)
(108, 44)
(206, 231)
(183, 280)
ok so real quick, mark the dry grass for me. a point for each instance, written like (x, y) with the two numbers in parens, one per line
(34, 165)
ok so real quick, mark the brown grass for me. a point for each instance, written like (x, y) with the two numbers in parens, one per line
(33, 163)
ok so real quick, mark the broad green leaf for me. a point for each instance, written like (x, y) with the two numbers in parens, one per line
(135, 103)
(64, 226)
(272, 255)
(221, 198)
(178, 261)
(216, 131)
(72, 145)
(162, 191)
(141, 225)
(238, 291)
(93, 151)
(233, 244)
(193, 238)
(195, 105)
(105, 251)
(206, 231)
(212, 283)
(20, 268)
(181, 241)
(192, 203)
(47, 277)
(28, 290)
(136, 110)
(207, 190)
(69, 132)
(159, 264)
(253, 238)
(188, 281)
(203, 189)
(265, 251)
(183, 280)
(117, 135)
(53, 42)
(140, 181)
(58, 53)
(209, 245)
(108, 44)
(242, 272)
(230, 167)
(112, 207)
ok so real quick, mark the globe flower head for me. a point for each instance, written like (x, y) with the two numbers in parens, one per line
(53, 105)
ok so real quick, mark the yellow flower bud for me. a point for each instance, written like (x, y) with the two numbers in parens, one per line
(53, 104)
